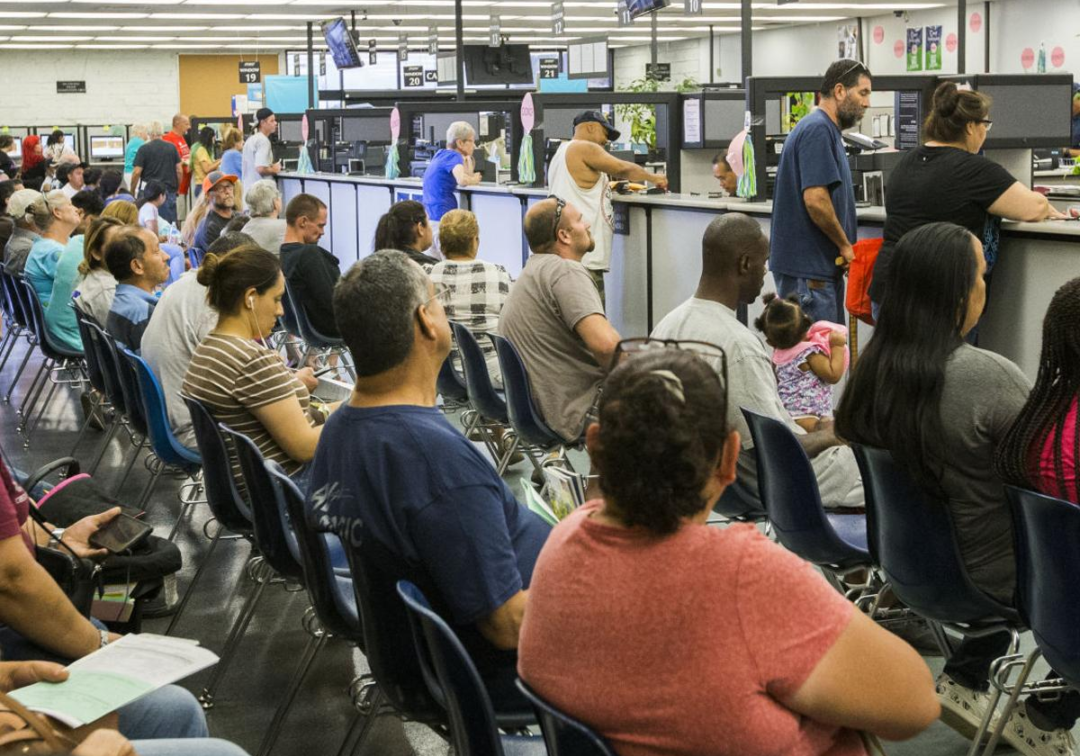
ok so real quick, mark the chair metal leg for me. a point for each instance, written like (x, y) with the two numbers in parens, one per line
(991, 706)
(194, 581)
(504, 462)
(1010, 705)
(18, 373)
(189, 502)
(314, 646)
(110, 434)
(360, 727)
(31, 395)
(7, 346)
(127, 470)
(37, 419)
(262, 574)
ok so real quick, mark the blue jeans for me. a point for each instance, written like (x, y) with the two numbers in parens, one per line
(168, 210)
(819, 299)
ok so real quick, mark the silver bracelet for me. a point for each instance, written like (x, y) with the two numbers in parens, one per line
(104, 638)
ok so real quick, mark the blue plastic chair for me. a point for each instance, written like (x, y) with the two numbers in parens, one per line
(95, 371)
(311, 337)
(12, 315)
(739, 505)
(114, 393)
(564, 735)
(1047, 531)
(13, 289)
(525, 418)
(195, 256)
(912, 540)
(488, 402)
(171, 454)
(789, 491)
(451, 384)
(473, 723)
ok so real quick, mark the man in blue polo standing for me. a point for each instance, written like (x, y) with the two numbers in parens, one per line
(813, 221)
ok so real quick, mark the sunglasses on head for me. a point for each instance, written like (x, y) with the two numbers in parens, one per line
(854, 67)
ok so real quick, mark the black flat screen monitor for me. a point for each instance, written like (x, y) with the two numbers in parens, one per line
(106, 147)
(641, 7)
(341, 44)
(507, 64)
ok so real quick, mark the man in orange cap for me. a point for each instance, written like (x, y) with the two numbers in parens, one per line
(218, 188)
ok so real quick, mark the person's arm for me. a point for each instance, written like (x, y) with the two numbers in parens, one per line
(600, 160)
(264, 156)
(869, 680)
(179, 175)
(136, 174)
(32, 604)
(819, 206)
(286, 422)
(829, 368)
(1021, 204)
(817, 441)
(600, 338)
(503, 626)
(463, 178)
(268, 170)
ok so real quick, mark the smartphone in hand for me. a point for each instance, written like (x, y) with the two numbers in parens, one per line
(120, 534)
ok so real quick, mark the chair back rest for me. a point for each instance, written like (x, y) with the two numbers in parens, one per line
(390, 652)
(49, 347)
(331, 595)
(472, 717)
(915, 544)
(162, 440)
(195, 256)
(222, 494)
(129, 387)
(789, 491)
(12, 305)
(91, 350)
(292, 324)
(564, 735)
(270, 525)
(307, 331)
(482, 394)
(110, 370)
(450, 385)
(524, 417)
(1047, 564)
(737, 503)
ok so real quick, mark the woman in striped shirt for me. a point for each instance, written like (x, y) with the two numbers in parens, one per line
(243, 383)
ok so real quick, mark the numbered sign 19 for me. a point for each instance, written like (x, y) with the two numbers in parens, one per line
(250, 73)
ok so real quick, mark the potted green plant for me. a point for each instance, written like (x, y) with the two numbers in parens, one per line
(642, 117)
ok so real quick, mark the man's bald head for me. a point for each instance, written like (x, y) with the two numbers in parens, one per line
(540, 225)
(729, 237)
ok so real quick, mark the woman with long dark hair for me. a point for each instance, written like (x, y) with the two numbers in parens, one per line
(405, 227)
(943, 408)
(202, 158)
(1042, 448)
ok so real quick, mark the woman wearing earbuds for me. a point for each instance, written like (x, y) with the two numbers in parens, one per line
(244, 384)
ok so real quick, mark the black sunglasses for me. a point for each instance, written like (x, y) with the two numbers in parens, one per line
(854, 67)
(711, 353)
(560, 203)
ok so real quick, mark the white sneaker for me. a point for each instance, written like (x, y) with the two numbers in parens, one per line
(1026, 738)
(962, 708)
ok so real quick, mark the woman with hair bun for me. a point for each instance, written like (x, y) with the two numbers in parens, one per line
(243, 383)
(947, 180)
(745, 648)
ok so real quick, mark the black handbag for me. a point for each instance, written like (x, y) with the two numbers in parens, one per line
(77, 577)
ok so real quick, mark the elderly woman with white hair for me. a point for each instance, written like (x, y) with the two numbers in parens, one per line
(264, 204)
(137, 140)
(451, 168)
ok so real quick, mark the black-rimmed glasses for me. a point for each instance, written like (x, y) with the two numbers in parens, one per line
(989, 124)
(711, 353)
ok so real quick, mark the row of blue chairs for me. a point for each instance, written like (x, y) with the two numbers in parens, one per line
(908, 536)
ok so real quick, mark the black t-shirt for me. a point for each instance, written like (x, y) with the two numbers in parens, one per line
(7, 165)
(158, 160)
(932, 184)
(311, 273)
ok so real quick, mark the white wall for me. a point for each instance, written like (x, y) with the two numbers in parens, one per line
(122, 86)
(1016, 25)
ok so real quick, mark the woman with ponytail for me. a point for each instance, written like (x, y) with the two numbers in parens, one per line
(946, 179)
(405, 227)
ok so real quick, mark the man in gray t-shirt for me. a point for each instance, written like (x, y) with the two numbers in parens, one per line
(555, 319)
(734, 251)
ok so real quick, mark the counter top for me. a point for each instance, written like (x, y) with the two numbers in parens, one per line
(868, 215)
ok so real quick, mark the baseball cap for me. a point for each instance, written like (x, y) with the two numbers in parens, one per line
(20, 201)
(64, 169)
(262, 114)
(216, 177)
(595, 116)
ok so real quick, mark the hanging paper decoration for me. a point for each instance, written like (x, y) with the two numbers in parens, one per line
(526, 163)
(392, 168)
(748, 180)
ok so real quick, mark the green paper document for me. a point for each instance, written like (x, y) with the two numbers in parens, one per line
(115, 676)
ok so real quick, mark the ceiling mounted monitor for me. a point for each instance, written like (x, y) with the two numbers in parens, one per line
(341, 44)
(506, 64)
(641, 7)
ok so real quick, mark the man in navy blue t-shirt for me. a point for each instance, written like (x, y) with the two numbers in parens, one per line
(813, 220)
(390, 467)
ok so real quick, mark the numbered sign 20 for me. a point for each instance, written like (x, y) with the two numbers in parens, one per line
(412, 76)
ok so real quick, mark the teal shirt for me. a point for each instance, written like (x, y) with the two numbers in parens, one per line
(129, 153)
(40, 267)
(59, 315)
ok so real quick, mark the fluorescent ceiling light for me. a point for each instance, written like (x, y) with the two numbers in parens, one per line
(199, 16)
(11, 28)
(37, 38)
(112, 47)
(89, 14)
(127, 2)
(133, 38)
(164, 28)
(20, 46)
(235, 2)
(289, 16)
(203, 46)
(21, 14)
(71, 28)
(254, 28)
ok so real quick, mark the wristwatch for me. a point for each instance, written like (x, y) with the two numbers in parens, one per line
(104, 638)
(56, 536)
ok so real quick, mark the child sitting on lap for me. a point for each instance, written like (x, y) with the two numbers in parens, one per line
(807, 357)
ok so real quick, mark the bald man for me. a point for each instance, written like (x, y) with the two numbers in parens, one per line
(177, 137)
(734, 252)
(556, 320)
(580, 173)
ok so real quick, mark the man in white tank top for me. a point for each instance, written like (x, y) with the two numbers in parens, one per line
(580, 173)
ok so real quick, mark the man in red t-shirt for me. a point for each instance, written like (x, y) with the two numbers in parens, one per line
(181, 124)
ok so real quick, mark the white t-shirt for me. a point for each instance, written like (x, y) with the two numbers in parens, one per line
(69, 191)
(752, 384)
(257, 153)
(147, 213)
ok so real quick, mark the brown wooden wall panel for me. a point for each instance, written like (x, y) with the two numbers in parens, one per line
(208, 82)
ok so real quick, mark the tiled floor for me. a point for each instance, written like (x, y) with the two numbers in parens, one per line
(251, 690)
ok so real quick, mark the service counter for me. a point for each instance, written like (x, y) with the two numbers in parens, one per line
(656, 260)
